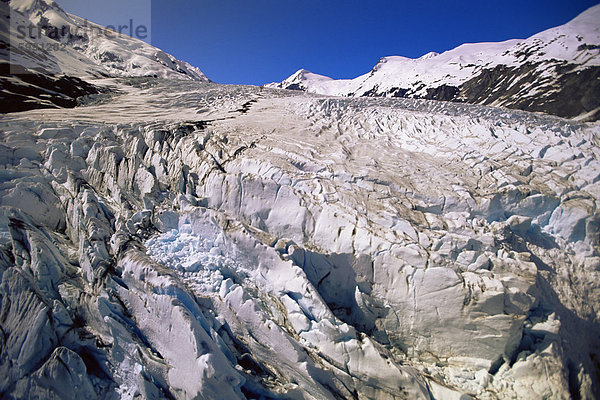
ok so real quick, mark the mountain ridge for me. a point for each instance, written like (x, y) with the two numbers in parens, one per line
(545, 69)
(105, 52)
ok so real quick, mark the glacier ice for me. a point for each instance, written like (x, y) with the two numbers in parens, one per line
(187, 239)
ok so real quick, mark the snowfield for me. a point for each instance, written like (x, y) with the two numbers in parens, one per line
(184, 239)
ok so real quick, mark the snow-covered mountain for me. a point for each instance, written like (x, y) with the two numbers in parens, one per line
(67, 47)
(87, 49)
(556, 71)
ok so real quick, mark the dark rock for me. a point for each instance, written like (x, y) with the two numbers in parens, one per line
(444, 93)
(22, 89)
(569, 93)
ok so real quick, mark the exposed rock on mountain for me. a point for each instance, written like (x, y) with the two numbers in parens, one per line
(22, 89)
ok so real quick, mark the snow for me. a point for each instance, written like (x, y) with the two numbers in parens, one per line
(198, 259)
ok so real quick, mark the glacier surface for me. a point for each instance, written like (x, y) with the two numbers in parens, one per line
(192, 240)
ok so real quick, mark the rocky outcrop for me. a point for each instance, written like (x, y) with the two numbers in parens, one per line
(22, 89)
(570, 93)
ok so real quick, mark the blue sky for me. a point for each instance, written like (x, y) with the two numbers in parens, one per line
(260, 41)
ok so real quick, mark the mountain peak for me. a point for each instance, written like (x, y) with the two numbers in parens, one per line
(93, 51)
(34, 10)
(306, 74)
(28, 6)
(589, 17)
(300, 80)
(429, 55)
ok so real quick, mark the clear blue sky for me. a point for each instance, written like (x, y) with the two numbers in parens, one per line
(260, 41)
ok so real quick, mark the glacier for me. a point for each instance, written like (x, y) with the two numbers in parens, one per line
(184, 239)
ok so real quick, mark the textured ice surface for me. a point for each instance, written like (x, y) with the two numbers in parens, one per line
(185, 239)
(198, 259)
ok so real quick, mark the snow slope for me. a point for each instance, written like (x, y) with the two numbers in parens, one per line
(187, 239)
(89, 51)
(538, 67)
